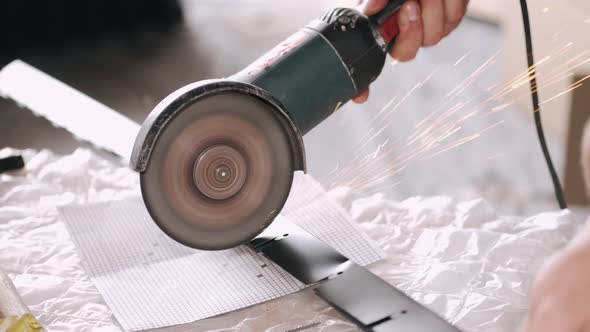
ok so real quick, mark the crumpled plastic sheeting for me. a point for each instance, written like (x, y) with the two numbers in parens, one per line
(458, 258)
(35, 248)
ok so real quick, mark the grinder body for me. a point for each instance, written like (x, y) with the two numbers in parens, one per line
(217, 157)
(320, 67)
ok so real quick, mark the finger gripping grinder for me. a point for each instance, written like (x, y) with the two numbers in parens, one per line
(216, 158)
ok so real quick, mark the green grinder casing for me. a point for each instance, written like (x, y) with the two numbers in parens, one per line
(216, 158)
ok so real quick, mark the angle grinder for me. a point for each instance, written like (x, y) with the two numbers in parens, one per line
(217, 158)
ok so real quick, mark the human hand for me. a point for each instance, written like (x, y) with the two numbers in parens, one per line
(559, 298)
(421, 23)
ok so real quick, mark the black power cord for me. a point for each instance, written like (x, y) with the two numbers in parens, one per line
(537, 108)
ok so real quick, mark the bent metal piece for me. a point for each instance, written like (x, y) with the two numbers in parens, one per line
(363, 298)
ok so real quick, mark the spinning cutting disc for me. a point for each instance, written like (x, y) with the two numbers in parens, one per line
(220, 172)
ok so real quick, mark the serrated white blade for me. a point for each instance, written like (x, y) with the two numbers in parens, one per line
(68, 108)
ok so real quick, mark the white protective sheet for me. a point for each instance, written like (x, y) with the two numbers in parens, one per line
(460, 259)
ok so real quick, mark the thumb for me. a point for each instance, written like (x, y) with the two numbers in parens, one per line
(372, 7)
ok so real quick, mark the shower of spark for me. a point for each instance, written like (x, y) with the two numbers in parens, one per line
(568, 90)
(461, 59)
(443, 129)
(561, 72)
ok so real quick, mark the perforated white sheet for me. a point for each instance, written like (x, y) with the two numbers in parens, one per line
(460, 259)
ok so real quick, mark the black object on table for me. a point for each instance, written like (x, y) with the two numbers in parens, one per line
(11, 164)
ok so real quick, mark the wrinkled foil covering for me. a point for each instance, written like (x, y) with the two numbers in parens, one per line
(460, 259)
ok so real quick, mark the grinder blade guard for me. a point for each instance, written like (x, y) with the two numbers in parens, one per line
(221, 167)
(217, 158)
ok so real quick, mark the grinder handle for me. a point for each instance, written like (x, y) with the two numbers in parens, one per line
(386, 22)
(392, 7)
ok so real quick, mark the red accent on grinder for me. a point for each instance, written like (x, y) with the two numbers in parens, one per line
(390, 28)
(278, 53)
